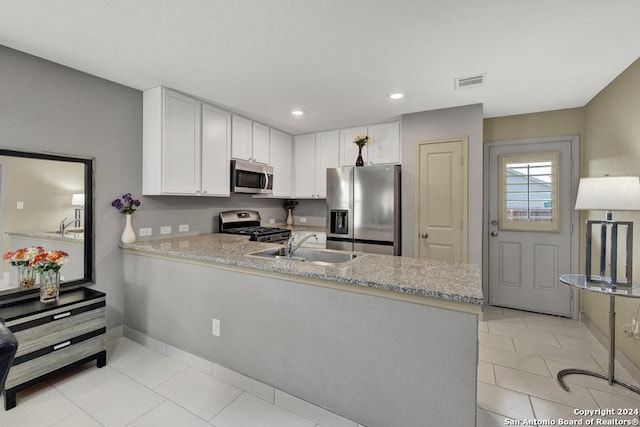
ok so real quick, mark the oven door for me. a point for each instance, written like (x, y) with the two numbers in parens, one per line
(251, 178)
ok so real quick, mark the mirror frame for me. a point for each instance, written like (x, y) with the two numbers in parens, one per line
(88, 164)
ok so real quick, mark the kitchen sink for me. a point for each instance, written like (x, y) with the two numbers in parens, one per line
(67, 231)
(325, 257)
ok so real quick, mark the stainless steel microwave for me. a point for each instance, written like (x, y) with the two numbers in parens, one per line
(248, 177)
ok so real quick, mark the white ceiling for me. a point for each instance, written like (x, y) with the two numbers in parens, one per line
(339, 59)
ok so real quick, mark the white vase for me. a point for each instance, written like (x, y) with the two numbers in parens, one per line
(290, 218)
(128, 235)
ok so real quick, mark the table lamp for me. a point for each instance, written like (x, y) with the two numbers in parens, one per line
(609, 193)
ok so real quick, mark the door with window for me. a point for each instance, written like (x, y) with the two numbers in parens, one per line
(530, 226)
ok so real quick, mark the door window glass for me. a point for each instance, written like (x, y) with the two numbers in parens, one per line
(529, 192)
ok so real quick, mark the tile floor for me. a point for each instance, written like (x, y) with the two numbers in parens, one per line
(520, 353)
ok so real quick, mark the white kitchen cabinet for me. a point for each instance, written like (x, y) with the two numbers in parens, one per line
(327, 144)
(349, 150)
(241, 138)
(304, 160)
(384, 143)
(216, 150)
(260, 143)
(280, 159)
(313, 154)
(178, 145)
(383, 146)
(250, 140)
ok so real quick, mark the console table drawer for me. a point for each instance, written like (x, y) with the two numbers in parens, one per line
(59, 330)
(40, 366)
(53, 337)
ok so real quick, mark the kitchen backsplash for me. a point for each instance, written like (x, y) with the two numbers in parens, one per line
(201, 214)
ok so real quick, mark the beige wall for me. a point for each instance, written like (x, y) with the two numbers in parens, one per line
(612, 146)
(609, 130)
(535, 125)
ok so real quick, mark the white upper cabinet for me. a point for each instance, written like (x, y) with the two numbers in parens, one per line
(383, 145)
(349, 150)
(216, 151)
(178, 144)
(280, 158)
(313, 154)
(242, 138)
(304, 161)
(327, 144)
(250, 140)
(260, 143)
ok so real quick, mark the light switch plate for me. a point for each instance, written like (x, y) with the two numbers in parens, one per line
(165, 230)
(144, 232)
(183, 227)
(20, 205)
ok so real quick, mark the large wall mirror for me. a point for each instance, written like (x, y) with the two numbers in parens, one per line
(46, 200)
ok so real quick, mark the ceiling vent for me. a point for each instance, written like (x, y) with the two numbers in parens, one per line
(471, 81)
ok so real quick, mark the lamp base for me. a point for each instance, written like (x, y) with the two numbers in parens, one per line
(613, 255)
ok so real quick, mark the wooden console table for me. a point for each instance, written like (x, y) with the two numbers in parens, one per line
(53, 337)
(601, 286)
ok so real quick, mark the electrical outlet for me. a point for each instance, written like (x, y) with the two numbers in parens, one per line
(142, 232)
(165, 230)
(215, 327)
(303, 219)
(272, 221)
(183, 227)
(20, 205)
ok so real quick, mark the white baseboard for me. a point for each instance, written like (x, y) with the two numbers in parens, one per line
(626, 363)
(244, 383)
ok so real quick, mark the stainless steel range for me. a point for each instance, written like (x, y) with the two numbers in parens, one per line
(248, 223)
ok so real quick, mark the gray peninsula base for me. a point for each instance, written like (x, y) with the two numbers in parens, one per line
(374, 360)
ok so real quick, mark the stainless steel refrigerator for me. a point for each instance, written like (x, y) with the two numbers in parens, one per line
(363, 209)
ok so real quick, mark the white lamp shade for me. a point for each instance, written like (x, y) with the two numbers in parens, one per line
(77, 199)
(609, 193)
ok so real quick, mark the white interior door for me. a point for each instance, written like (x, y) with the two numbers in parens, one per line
(530, 226)
(441, 198)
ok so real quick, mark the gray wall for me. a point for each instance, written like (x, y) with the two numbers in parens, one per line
(441, 124)
(48, 107)
(377, 361)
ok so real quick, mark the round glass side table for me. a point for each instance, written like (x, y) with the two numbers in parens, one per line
(600, 285)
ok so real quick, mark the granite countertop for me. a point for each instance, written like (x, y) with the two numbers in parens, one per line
(435, 279)
(48, 235)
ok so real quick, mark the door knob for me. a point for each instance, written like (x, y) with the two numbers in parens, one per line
(494, 233)
(425, 235)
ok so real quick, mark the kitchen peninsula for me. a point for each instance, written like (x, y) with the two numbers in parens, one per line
(381, 340)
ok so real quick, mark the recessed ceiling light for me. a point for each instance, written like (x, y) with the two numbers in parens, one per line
(297, 112)
(396, 95)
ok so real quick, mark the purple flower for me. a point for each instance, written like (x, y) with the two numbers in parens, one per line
(128, 207)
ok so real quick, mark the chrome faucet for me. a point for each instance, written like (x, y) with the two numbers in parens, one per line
(64, 226)
(291, 248)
